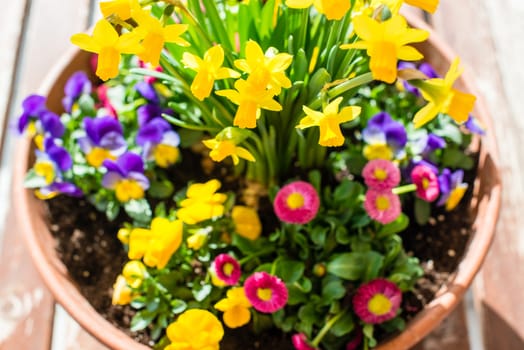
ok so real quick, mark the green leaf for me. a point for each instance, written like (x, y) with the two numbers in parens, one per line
(203, 292)
(112, 210)
(455, 158)
(139, 210)
(290, 270)
(343, 326)
(368, 333)
(422, 211)
(178, 306)
(141, 320)
(332, 289)
(161, 189)
(399, 225)
(33, 180)
(356, 265)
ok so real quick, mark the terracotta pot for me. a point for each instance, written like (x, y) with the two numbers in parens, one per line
(485, 207)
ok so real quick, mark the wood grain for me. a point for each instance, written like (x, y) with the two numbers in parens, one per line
(487, 35)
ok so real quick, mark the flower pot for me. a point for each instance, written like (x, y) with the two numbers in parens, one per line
(485, 207)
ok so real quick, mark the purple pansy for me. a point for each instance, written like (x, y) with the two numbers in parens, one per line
(58, 155)
(126, 176)
(424, 68)
(147, 91)
(151, 111)
(103, 140)
(159, 142)
(473, 125)
(51, 124)
(382, 129)
(452, 188)
(33, 107)
(76, 85)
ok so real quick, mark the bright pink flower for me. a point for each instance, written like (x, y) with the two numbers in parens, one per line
(381, 174)
(382, 206)
(297, 203)
(265, 292)
(427, 183)
(377, 301)
(300, 342)
(227, 269)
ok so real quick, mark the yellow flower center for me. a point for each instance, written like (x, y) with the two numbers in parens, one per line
(46, 170)
(378, 151)
(380, 174)
(228, 269)
(295, 200)
(264, 294)
(382, 203)
(97, 156)
(379, 305)
(425, 183)
(128, 189)
(165, 155)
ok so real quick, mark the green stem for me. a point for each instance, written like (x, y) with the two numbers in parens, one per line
(405, 189)
(254, 255)
(342, 88)
(326, 328)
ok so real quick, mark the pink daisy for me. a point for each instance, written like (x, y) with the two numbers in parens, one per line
(265, 292)
(382, 206)
(297, 203)
(300, 342)
(381, 174)
(377, 301)
(427, 183)
(227, 269)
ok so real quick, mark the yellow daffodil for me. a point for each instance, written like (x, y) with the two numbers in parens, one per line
(121, 8)
(122, 294)
(227, 148)
(266, 72)
(332, 9)
(156, 35)
(208, 70)
(195, 329)
(329, 122)
(442, 98)
(250, 99)
(247, 222)
(134, 272)
(157, 244)
(363, 6)
(426, 5)
(386, 43)
(235, 307)
(109, 45)
(202, 203)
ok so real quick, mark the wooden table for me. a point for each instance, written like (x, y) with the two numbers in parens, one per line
(485, 33)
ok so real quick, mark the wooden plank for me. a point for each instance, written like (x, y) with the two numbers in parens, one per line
(11, 29)
(485, 35)
(27, 308)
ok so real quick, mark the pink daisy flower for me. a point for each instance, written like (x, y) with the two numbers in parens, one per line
(300, 342)
(227, 269)
(265, 292)
(377, 301)
(427, 183)
(297, 203)
(382, 206)
(381, 174)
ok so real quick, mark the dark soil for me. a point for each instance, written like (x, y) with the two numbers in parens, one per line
(87, 244)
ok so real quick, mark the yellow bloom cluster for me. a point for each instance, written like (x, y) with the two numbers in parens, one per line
(202, 203)
(235, 307)
(195, 329)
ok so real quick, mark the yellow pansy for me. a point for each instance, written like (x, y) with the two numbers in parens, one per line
(165, 155)
(227, 148)
(127, 189)
(235, 307)
(195, 329)
(442, 98)
(156, 35)
(122, 294)
(247, 222)
(208, 70)
(329, 122)
(97, 156)
(250, 98)
(45, 170)
(134, 272)
(197, 239)
(121, 8)
(386, 43)
(202, 203)
(109, 45)
(156, 245)
(332, 9)
(378, 151)
(455, 196)
(266, 72)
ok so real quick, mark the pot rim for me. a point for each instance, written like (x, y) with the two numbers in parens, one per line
(66, 293)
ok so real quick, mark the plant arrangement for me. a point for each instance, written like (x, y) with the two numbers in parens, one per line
(266, 157)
